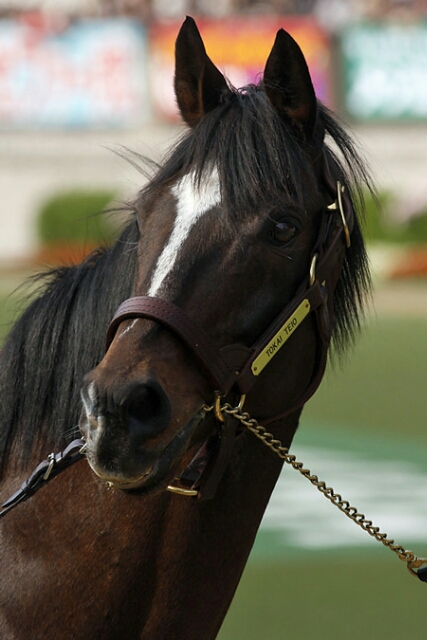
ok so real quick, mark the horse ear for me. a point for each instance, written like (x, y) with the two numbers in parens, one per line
(198, 83)
(288, 84)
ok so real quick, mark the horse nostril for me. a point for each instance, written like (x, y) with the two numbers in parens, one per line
(89, 398)
(147, 410)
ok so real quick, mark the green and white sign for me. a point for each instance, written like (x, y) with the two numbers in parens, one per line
(385, 71)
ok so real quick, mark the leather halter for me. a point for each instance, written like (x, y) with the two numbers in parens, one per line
(236, 366)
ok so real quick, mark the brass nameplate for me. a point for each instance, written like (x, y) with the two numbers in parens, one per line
(280, 338)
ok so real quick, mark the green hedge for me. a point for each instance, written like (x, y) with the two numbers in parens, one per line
(377, 223)
(80, 216)
(415, 230)
(380, 226)
(76, 216)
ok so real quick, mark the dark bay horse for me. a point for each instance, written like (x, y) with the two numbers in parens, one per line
(243, 257)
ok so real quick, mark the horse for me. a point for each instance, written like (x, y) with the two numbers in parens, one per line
(241, 262)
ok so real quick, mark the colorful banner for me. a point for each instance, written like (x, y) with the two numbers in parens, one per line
(385, 71)
(92, 74)
(239, 47)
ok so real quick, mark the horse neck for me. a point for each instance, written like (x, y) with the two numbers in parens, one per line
(162, 566)
(203, 546)
(216, 538)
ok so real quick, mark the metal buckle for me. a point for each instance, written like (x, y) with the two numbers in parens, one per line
(51, 460)
(181, 491)
(239, 407)
(313, 269)
(217, 409)
(338, 204)
(417, 563)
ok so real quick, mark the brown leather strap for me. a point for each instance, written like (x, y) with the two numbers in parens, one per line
(45, 471)
(208, 465)
(231, 365)
(318, 372)
(168, 314)
(330, 248)
(226, 366)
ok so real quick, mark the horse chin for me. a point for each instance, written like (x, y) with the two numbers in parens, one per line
(160, 474)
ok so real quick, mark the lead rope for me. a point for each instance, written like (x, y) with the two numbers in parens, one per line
(412, 561)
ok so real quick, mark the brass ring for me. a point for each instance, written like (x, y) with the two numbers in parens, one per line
(241, 402)
(217, 407)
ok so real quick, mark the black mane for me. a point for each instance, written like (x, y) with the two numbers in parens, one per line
(60, 337)
(256, 154)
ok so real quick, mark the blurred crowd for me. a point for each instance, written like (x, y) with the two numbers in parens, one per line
(329, 13)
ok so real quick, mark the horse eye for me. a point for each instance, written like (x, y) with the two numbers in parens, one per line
(284, 232)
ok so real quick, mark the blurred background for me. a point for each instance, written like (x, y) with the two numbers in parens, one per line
(83, 81)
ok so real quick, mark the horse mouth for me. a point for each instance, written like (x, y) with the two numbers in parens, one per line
(156, 474)
(123, 485)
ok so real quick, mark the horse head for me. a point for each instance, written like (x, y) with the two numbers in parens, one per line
(230, 231)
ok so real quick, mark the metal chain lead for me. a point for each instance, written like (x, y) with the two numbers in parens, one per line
(412, 561)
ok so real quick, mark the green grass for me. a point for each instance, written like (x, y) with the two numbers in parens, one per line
(328, 599)
(382, 388)
(331, 595)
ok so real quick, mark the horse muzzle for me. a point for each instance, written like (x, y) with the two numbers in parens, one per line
(129, 440)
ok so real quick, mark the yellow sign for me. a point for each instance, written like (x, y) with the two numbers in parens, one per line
(280, 338)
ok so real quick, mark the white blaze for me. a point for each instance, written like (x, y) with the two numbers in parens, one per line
(192, 202)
